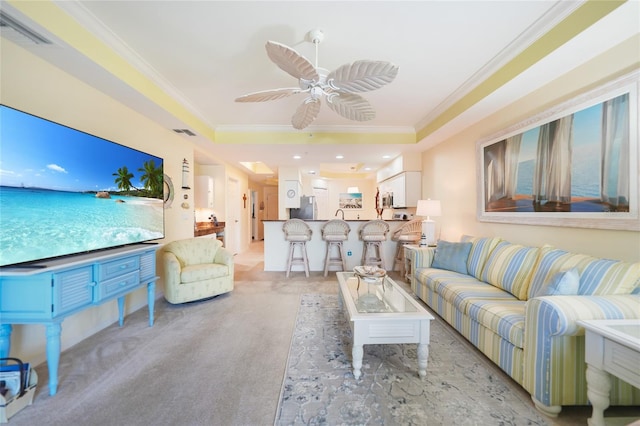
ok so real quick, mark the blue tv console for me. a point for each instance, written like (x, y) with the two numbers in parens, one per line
(48, 293)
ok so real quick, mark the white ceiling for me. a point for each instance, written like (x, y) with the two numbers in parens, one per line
(207, 53)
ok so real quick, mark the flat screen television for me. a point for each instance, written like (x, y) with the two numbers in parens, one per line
(66, 192)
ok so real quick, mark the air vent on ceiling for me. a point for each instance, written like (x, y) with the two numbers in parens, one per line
(185, 131)
(19, 33)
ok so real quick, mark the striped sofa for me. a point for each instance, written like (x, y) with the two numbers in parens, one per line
(499, 304)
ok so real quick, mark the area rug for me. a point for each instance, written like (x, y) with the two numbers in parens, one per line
(461, 387)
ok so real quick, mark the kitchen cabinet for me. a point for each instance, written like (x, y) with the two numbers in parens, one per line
(204, 192)
(406, 188)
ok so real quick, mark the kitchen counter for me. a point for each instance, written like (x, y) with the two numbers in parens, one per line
(208, 228)
(276, 248)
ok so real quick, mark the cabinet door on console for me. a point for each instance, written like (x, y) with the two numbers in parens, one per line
(26, 298)
(72, 290)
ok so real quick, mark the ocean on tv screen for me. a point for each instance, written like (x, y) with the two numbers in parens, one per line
(40, 224)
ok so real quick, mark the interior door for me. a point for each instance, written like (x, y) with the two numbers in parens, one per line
(232, 226)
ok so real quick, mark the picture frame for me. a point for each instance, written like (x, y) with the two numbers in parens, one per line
(350, 200)
(573, 165)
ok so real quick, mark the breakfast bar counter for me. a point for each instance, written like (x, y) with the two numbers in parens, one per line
(276, 248)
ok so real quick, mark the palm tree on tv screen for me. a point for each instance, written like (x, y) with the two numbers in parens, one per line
(152, 178)
(123, 178)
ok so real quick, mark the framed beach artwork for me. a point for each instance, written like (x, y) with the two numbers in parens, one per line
(352, 200)
(573, 165)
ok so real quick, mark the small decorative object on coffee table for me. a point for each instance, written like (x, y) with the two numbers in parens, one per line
(369, 273)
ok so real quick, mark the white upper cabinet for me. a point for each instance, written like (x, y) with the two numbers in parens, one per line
(406, 188)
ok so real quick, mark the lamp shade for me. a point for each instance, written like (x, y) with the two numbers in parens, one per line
(428, 208)
(353, 190)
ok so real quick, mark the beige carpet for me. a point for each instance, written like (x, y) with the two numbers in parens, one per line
(215, 362)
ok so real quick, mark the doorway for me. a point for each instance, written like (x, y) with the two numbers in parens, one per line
(232, 231)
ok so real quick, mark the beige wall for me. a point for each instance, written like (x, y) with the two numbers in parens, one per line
(33, 85)
(449, 169)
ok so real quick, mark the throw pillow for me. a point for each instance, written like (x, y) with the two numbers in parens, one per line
(563, 283)
(452, 256)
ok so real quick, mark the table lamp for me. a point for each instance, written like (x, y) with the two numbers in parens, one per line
(428, 208)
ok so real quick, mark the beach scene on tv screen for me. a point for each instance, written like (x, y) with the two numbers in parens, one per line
(63, 191)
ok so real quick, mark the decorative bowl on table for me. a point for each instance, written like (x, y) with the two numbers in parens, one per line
(369, 273)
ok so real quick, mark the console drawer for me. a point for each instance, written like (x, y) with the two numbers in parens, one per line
(118, 285)
(118, 267)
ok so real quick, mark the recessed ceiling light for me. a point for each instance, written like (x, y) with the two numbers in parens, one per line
(339, 157)
(386, 156)
(367, 168)
(296, 157)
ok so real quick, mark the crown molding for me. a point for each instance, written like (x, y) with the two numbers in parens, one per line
(84, 17)
(556, 14)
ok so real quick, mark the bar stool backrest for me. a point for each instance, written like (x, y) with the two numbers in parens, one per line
(296, 230)
(374, 230)
(409, 232)
(335, 230)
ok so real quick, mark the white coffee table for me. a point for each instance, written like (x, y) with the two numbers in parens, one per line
(381, 312)
(612, 347)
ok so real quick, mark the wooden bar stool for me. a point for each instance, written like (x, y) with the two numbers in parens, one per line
(334, 232)
(297, 232)
(409, 233)
(373, 233)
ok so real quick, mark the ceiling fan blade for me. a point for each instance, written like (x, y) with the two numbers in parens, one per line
(362, 76)
(351, 106)
(291, 61)
(268, 95)
(306, 113)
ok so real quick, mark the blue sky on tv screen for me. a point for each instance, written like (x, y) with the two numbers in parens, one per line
(38, 153)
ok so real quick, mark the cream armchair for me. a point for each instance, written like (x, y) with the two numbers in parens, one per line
(196, 268)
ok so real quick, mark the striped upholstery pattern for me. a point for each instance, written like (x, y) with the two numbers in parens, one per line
(504, 318)
(554, 346)
(421, 257)
(509, 267)
(597, 276)
(537, 342)
(481, 248)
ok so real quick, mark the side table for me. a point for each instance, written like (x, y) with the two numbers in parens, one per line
(612, 347)
(408, 273)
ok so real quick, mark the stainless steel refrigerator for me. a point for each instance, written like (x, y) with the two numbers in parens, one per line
(308, 209)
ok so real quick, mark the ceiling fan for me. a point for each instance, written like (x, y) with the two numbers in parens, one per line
(339, 86)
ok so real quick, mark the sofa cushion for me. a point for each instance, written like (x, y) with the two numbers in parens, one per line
(563, 283)
(452, 256)
(204, 271)
(460, 293)
(503, 317)
(597, 276)
(481, 248)
(510, 266)
(435, 278)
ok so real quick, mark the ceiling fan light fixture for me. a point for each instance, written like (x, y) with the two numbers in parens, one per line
(339, 86)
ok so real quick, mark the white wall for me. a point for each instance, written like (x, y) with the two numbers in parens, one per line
(449, 169)
(33, 85)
